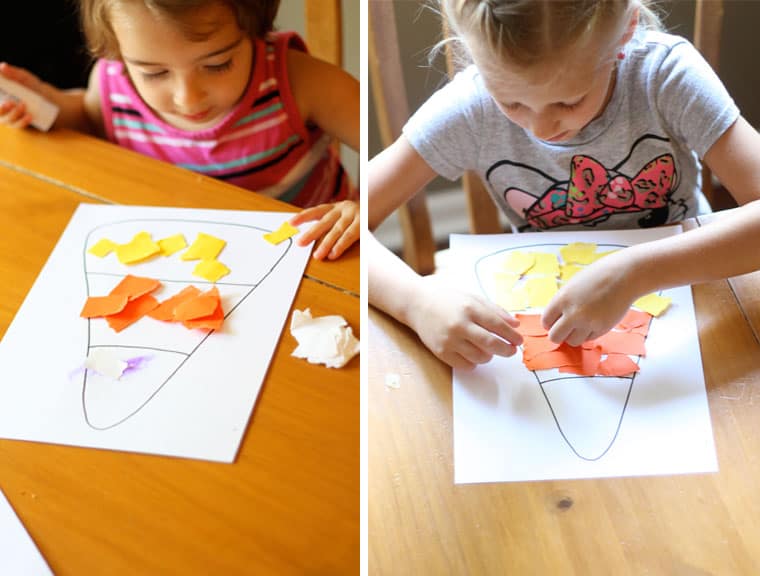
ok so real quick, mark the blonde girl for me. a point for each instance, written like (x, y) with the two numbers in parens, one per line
(577, 114)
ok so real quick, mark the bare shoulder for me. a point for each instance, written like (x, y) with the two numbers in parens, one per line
(326, 95)
(310, 77)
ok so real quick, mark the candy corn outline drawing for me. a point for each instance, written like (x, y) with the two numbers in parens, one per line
(139, 224)
(543, 382)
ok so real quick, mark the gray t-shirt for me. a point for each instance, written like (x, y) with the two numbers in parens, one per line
(635, 166)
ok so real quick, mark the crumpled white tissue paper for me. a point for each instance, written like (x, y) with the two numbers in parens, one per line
(326, 340)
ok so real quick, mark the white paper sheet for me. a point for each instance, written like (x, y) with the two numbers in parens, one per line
(512, 424)
(195, 394)
(18, 554)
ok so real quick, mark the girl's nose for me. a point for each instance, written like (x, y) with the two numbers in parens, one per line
(544, 126)
(187, 95)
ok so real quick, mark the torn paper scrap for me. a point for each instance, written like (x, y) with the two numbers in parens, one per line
(193, 308)
(199, 307)
(578, 252)
(211, 270)
(519, 262)
(140, 248)
(326, 340)
(106, 363)
(97, 306)
(392, 380)
(135, 286)
(165, 310)
(103, 248)
(132, 312)
(287, 230)
(172, 244)
(653, 303)
(205, 247)
(136, 363)
(545, 264)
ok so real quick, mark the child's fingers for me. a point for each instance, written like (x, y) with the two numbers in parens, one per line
(345, 225)
(551, 314)
(473, 353)
(457, 361)
(343, 243)
(324, 247)
(309, 214)
(490, 343)
(18, 75)
(496, 324)
(14, 114)
(508, 318)
(5, 107)
(318, 230)
(23, 122)
(559, 330)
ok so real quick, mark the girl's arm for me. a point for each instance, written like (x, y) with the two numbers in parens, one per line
(598, 297)
(326, 95)
(461, 329)
(72, 113)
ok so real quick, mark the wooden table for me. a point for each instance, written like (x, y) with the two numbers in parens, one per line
(419, 522)
(290, 502)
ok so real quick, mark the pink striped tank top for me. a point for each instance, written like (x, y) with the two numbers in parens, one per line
(263, 144)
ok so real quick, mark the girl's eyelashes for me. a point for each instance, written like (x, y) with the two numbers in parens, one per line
(212, 68)
(514, 106)
(571, 105)
(223, 67)
(154, 75)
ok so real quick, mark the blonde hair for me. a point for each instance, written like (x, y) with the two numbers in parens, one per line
(525, 32)
(256, 17)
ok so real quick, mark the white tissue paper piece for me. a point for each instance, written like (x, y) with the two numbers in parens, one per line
(106, 363)
(326, 340)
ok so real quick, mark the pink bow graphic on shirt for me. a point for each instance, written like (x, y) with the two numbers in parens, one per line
(594, 192)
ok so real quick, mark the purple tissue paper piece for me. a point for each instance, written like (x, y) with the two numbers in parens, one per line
(134, 364)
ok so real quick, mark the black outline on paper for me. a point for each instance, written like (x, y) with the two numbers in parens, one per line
(569, 377)
(186, 354)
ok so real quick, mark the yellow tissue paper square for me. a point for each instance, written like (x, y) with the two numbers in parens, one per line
(205, 247)
(545, 264)
(103, 248)
(172, 244)
(567, 271)
(578, 253)
(504, 281)
(540, 290)
(519, 262)
(139, 248)
(211, 270)
(653, 303)
(287, 230)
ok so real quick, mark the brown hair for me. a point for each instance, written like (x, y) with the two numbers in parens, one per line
(256, 17)
(528, 31)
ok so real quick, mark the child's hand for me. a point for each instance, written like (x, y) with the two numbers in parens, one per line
(338, 227)
(591, 303)
(461, 329)
(13, 113)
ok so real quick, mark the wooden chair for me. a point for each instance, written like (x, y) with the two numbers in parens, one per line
(324, 28)
(392, 108)
(708, 21)
(392, 111)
